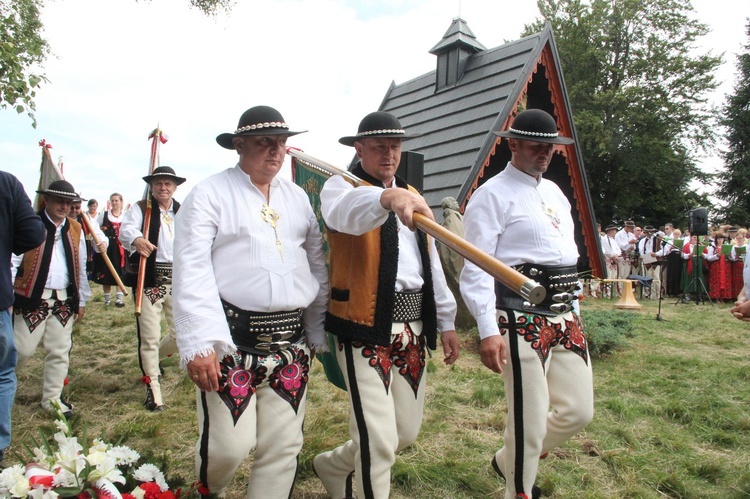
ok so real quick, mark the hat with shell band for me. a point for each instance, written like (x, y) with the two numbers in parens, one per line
(379, 124)
(258, 120)
(536, 125)
(164, 172)
(61, 189)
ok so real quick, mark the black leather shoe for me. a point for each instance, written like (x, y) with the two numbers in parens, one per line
(150, 404)
(536, 492)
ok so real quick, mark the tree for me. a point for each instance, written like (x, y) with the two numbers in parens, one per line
(23, 50)
(733, 186)
(639, 101)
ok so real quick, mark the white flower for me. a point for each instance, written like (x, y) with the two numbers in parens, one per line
(62, 426)
(138, 493)
(65, 478)
(42, 493)
(13, 478)
(41, 457)
(150, 473)
(99, 446)
(107, 470)
(125, 456)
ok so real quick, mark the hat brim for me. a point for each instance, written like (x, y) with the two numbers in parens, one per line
(177, 180)
(350, 140)
(62, 195)
(225, 139)
(547, 140)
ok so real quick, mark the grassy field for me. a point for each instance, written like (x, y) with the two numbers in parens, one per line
(672, 412)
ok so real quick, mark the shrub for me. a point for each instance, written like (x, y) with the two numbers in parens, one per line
(607, 330)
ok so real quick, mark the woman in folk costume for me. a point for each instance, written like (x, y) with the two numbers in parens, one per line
(693, 276)
(110, 221)
(737, 260)
(720, 271)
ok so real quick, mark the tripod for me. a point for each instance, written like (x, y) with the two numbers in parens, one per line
(696, 282)
(661, 291)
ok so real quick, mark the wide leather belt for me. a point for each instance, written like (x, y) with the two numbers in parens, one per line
(262, 333)
(559, 282)
(408, 306)
(164, 273)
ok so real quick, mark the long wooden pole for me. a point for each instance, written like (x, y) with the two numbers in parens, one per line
(527, 288)
(105, 257)
(155, 141)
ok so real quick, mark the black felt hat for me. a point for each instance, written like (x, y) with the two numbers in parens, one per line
(536, 125)
(164, 171)
(379, 124)
(62, 189)
(610, 227)
(258, 120)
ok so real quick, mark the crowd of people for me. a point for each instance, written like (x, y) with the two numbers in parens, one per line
(669, 262)
(382, 293)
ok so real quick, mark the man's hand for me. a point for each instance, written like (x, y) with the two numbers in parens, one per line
(102, 247)
(450, 346)
(404, 204)
(741, 310)
(79, 316)
(144, 247)
(492, 351)
(205, 372)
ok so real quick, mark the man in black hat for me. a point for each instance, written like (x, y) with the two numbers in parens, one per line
(51, 289)
(389, 299)
(525, 221)
(250, 287)
(156, 248)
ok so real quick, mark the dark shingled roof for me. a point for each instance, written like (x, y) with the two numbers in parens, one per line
(456, 122)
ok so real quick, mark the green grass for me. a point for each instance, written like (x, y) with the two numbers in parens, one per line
(672, 411)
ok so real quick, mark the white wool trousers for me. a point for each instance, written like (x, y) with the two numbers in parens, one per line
(151, 346)
(386, 387)
(52, 322)
(549, 391)
(261, 406)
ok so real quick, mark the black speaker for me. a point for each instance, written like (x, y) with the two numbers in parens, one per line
(411, 169)
(698, 221)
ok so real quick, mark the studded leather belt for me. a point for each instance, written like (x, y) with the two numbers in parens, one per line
(164, 273)
(408, 306)
(262, 333)
(560, 283)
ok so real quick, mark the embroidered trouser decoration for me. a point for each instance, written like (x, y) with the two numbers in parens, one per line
(406, 352)
(156, 293)
(265, 395)
(33, 318)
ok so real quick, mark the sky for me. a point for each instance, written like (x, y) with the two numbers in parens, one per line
(120, 68)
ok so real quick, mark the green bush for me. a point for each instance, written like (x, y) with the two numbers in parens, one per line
(607, 330)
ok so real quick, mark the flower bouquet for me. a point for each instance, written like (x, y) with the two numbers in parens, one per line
(66, 468)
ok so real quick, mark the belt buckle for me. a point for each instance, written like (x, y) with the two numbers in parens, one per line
(274, 337)
(273, 347)
(561, 308)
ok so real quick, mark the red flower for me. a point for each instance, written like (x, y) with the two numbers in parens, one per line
(151, 489)
(84, 495)
(126, 495)
(167, 495)
(146, 380)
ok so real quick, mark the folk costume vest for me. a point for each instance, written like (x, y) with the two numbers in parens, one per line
(32, 273)
(131, 274)
(363, 280)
